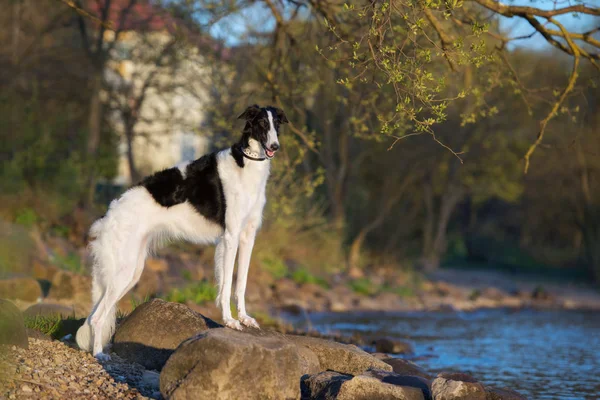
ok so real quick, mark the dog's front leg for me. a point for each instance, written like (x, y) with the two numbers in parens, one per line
(246, 245)
(230, 244)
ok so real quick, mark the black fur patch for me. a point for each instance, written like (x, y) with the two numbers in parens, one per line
(202, 188)
(238, 154)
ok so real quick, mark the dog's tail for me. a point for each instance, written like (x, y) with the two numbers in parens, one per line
(84, 337)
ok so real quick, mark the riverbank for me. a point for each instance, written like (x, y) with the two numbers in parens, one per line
(58, 278)
(165, 350)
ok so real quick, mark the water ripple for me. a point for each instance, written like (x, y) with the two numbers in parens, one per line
(542, 354)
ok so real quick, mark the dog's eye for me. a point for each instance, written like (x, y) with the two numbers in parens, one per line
(262, 123)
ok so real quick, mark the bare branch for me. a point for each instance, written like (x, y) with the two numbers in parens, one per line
(445, 37)
(561, 99)
(510, 11)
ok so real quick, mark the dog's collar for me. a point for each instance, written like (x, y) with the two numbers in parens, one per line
(252, 155)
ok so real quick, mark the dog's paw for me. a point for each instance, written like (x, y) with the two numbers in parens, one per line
(248, 321)
(233, 324)
(102, 357)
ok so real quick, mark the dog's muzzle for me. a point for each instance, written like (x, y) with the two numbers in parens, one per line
(270, 152)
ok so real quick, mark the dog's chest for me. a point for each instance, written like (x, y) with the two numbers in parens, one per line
(244, 188)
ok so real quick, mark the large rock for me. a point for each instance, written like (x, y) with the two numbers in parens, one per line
(391, 345)
(49, 310)
(71, 286)
(26, 289)
(152, 332)
(405, 367)
(44, 271)
(495, 393)
(12, 327)
(228, 364)
(456, 386)
(344, 358)
(372, 384)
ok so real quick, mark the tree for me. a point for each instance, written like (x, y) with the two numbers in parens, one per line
(101, 25)
(400, 40)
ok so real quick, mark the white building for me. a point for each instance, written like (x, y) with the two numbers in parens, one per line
(159, 82)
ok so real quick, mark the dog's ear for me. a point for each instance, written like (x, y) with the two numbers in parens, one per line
(250, 113)
(281, 116)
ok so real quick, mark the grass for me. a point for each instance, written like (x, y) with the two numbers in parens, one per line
(48, 325)
(55, 326)
(403, 291)
(303, 275)
(363, 286)
(274, 266)
(198, 292)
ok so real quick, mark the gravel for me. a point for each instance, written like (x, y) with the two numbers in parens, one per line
(53, 370)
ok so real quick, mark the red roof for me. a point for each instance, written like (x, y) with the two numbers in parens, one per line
(143, 16)
(132, 15)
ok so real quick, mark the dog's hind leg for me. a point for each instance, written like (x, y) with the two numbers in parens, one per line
(229, 244)
(103, 319)
(245, 251)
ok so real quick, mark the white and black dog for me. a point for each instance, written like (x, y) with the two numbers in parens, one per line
(218, 198)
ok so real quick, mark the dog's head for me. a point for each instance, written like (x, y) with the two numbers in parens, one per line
(262, 125)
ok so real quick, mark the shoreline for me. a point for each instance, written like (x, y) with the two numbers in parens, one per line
(57, 369)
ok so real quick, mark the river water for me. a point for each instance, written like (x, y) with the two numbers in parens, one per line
(542, 354)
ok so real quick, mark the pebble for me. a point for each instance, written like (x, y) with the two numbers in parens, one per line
(53, 370)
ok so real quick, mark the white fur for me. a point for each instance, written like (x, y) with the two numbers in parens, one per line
(135, 222)
(272, 134)
(182, 167)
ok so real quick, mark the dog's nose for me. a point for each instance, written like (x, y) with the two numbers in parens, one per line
(275, 147)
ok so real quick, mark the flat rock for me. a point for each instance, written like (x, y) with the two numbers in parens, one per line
(344, 358)
(152, 332)
(372, 384)
(227, 364)
(26, 289)
(457, 386)
(12, 327)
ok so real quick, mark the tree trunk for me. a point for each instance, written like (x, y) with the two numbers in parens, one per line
(434, 241)
(16, 31)
(355, 249)
(133, 172)
(590, 230)
(428, 233)
(93, 142)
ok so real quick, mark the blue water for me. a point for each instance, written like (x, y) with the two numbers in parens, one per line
(541, 354)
